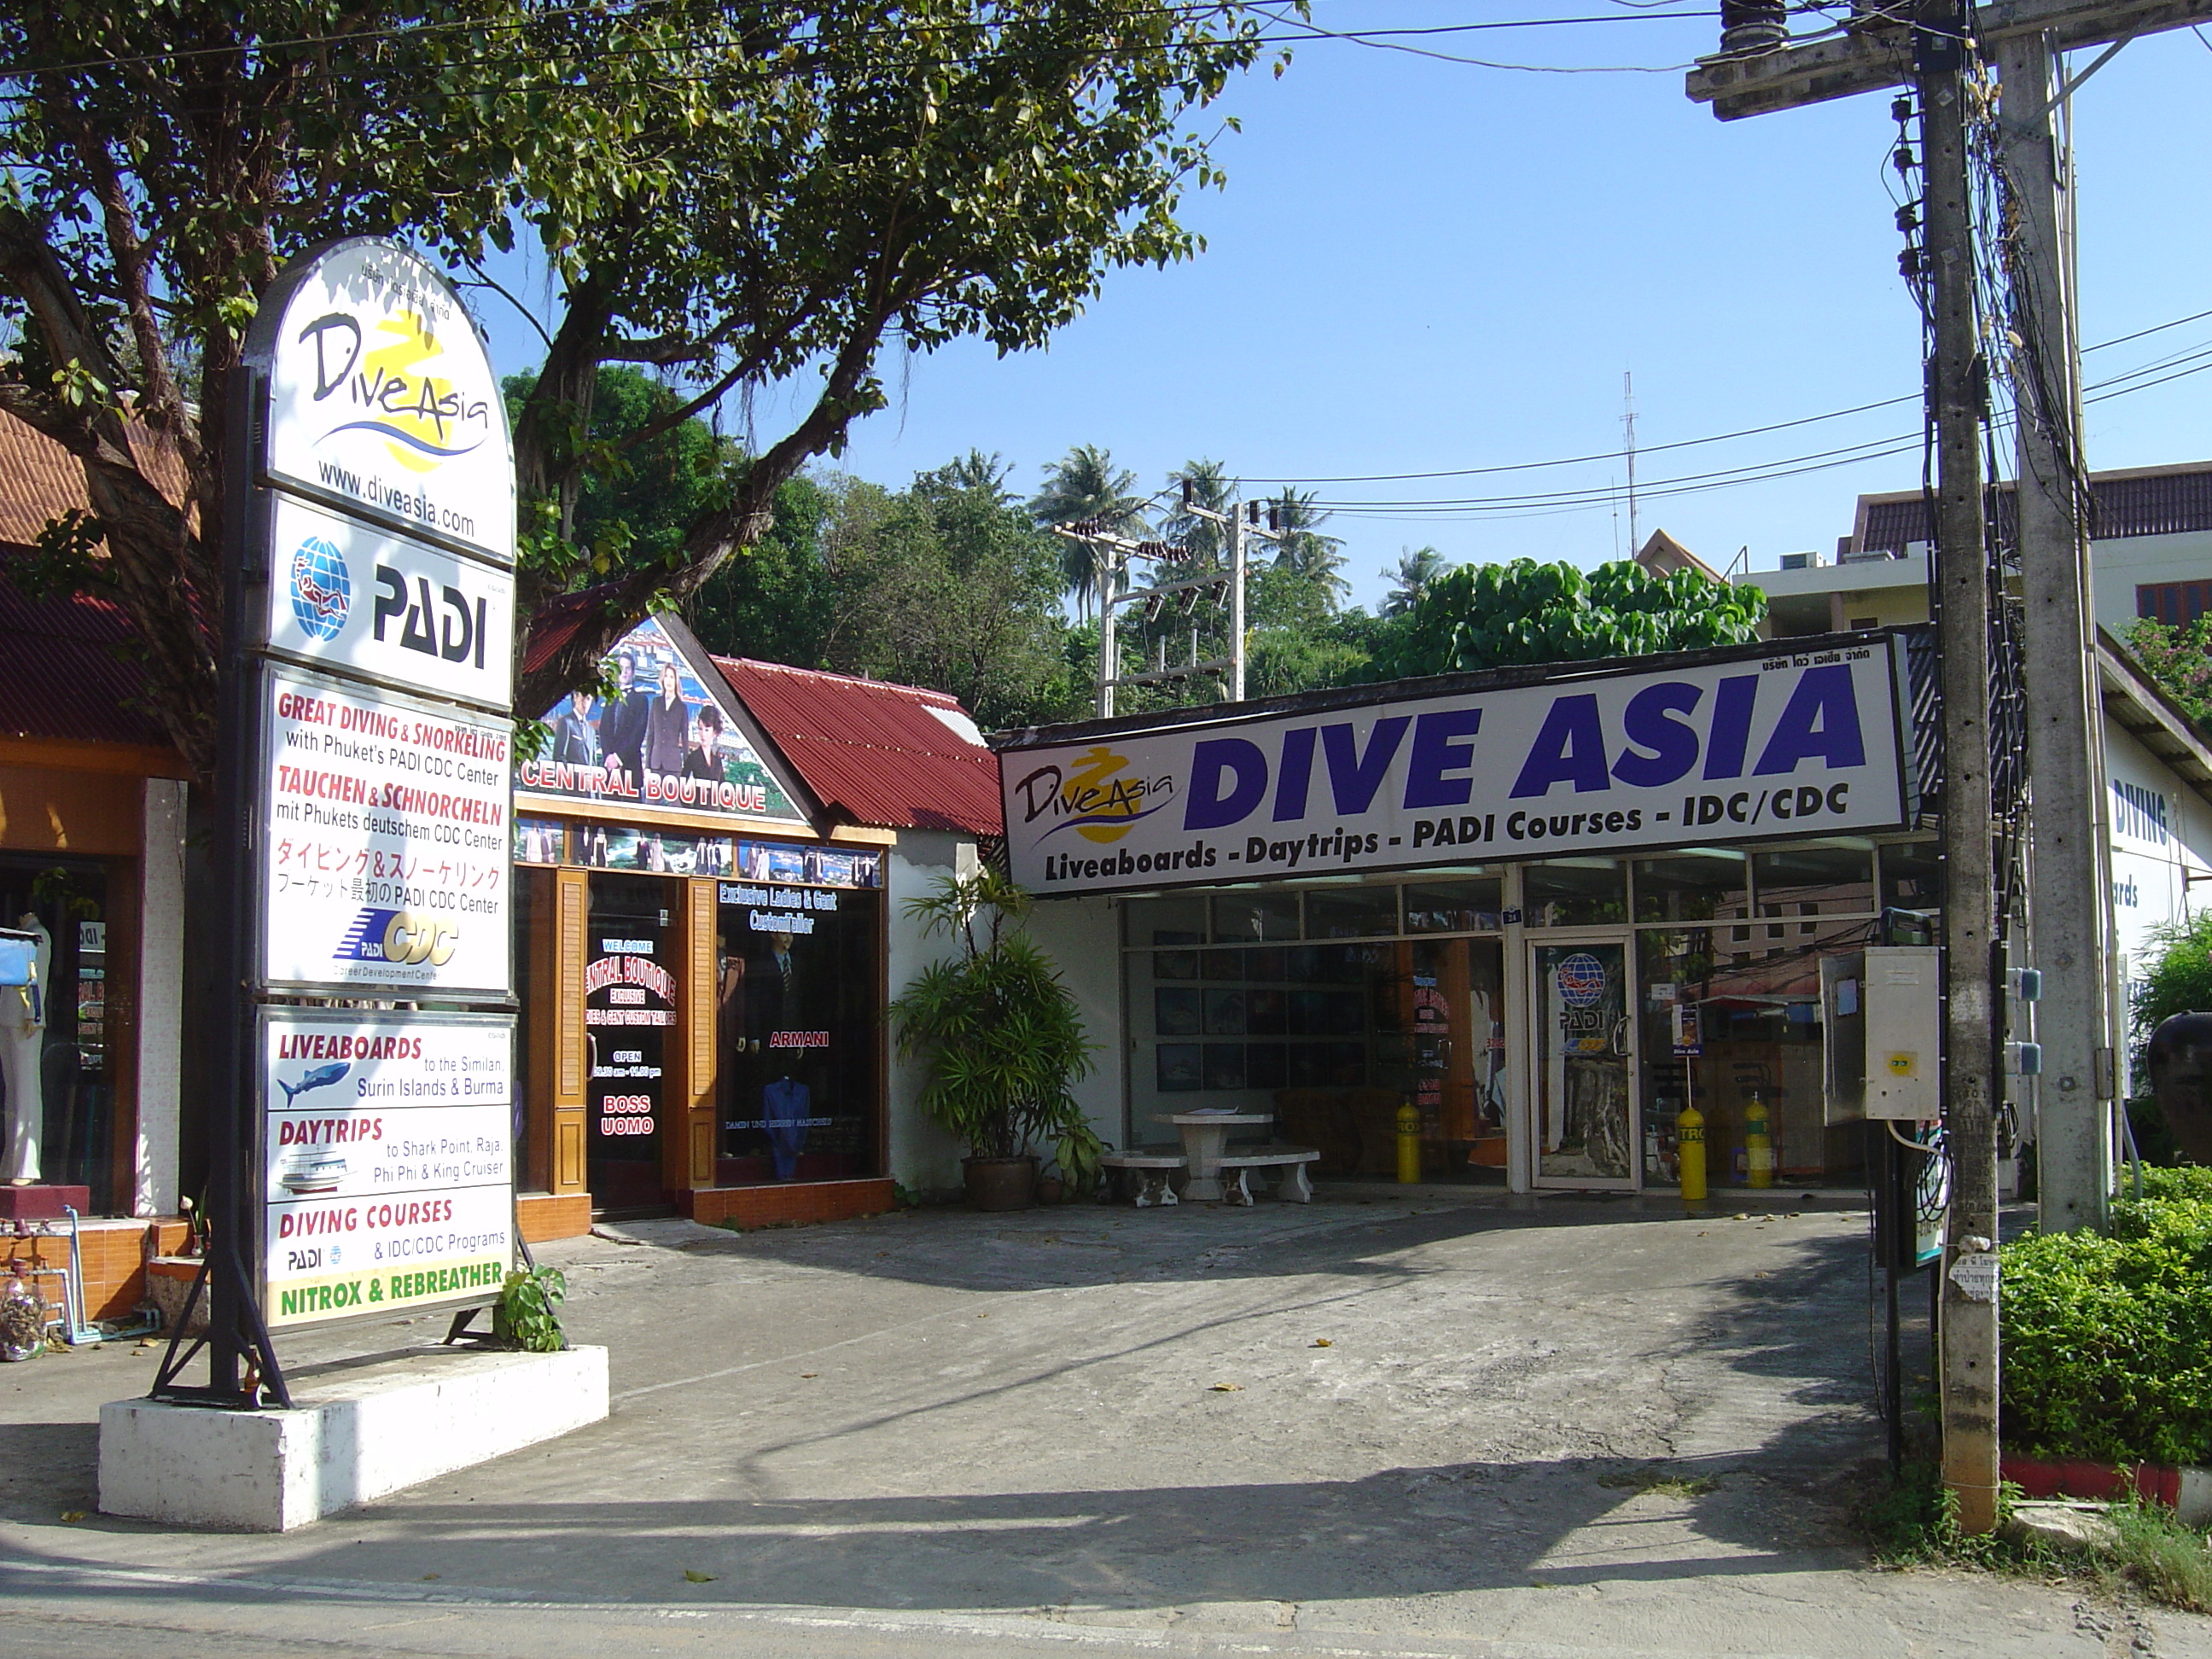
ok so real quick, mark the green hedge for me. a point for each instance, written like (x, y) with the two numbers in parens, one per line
(2108, 1340)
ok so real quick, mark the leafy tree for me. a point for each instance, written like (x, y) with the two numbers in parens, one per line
(1412, 579)
(2177, 979)
(2179, 660)
(947, 584)
(1488, 616)
(1084, 485)
(743, 196)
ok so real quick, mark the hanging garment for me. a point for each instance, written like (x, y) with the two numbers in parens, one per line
(786, 1104)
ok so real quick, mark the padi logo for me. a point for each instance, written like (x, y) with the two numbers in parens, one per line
(401, 938)
(322, 589)
(1581, 980)
(1093, 797)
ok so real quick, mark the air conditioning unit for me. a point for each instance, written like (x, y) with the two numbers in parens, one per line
(1796, 560)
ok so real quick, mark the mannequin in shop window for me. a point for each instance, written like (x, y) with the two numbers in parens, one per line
(23, 1054)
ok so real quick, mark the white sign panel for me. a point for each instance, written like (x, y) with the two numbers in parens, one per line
(386, 1167)
(346, 597)
(1753, 749)
(380, 394)
(385, 857)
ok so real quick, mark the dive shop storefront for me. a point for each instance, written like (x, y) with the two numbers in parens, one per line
(1547, 908)
(701, 962)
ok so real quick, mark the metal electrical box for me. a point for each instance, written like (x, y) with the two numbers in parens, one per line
(1884, 1020)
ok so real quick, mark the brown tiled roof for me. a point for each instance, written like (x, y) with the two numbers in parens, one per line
(892, 757)
(2151, 500)
(40, 481)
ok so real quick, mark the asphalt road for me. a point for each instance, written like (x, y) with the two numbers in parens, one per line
(1427, 1422)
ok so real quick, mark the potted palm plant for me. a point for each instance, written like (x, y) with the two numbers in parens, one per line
(1000, 1038)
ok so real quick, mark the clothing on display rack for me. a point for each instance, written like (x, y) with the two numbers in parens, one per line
(786, 1104)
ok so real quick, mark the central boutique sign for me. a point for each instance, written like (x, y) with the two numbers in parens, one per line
(1757, 749)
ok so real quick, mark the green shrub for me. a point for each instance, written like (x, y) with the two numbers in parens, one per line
(2107, 1341)
(526, 1316)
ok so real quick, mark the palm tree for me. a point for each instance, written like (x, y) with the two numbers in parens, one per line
(1411, 580)
(1085, 485)
(1303, 549)
(1207, 484)
(975, 471)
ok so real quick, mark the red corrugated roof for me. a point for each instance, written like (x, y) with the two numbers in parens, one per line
(63, 673)
(891, 757)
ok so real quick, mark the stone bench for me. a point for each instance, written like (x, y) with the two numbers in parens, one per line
(1236, 1162)
(1156, 1164)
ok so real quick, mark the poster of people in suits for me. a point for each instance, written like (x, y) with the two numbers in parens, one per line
(653, 734)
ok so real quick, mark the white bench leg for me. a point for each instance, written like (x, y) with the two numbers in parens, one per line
(1238, 1190)
(1294, 1188)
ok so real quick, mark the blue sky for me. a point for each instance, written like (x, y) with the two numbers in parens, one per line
(1422, 266)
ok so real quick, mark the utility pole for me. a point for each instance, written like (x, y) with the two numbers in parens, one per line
(1111, 556)
(1106, 575)
(1972, 1083)
(1236, 641)
(1628, 430)
(2074, 1021)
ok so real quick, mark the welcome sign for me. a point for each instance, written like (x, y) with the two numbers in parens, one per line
(1753, 749)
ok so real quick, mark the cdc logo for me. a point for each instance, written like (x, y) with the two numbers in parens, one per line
(1581, 980)
(321, 588)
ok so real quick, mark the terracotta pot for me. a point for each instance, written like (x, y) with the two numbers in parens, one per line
(1000, 1183)
(1051, 1189)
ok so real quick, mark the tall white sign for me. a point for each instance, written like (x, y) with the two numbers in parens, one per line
(1756, 749)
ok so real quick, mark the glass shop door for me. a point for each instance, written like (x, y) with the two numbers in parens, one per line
(1584, 1049)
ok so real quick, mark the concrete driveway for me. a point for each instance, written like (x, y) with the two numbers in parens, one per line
(1395, 1422)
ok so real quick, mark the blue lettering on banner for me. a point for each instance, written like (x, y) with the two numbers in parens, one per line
(1791, 744)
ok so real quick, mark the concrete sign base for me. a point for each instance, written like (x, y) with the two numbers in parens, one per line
(357, 1434)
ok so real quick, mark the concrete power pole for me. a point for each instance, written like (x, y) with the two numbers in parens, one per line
(1972, 1083)
(2074, 1021)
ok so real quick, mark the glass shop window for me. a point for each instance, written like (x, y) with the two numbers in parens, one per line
(1471, 906)
(1912, 876)
(1179, 919)
(799, 1006)
(1693, 886)
(1352, 912)
(630, 1004)
(1814, 879)
(60, 1061)
(1251, 918)
(1574, 892)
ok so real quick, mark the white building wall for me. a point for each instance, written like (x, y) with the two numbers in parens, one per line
(923, 1157)
(2119, 565)
(1084, 937)
(2161, 830)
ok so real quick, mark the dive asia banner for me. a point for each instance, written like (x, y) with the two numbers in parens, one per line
(385, 857)
(1757, 749)
(386, 1161)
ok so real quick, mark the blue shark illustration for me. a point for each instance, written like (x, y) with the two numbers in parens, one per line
(321, 1078)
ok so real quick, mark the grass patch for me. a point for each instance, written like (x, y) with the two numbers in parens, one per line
(1658, 1477)
(1912, 1521)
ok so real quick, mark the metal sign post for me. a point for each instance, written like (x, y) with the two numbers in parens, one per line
(360, 1160)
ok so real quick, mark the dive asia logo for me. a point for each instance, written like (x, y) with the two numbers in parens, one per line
(1096, 796)
(404, 938)
(390, 388)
